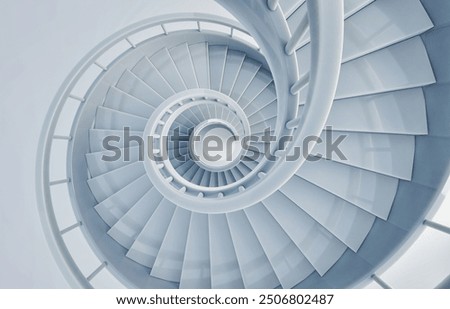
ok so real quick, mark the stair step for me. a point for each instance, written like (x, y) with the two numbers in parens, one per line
(386, 154)
(146, 246)
(130, 225)
(116, 205)
(319, 246)
(196, 273)
(169, 262)
(289, 264)
(257, 273)
(225, 272)
(105, 185)
(347, 222)
(370, 191)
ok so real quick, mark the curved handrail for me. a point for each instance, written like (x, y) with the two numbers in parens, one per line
(269, 29)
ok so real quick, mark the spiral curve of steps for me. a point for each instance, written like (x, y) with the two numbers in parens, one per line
(193, 81)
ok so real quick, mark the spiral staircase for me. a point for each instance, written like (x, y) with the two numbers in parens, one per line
(370, 71)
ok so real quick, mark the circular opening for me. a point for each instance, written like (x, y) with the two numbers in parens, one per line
(214, 145)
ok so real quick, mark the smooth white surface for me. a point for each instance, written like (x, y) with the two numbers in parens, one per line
(126, 230)
(196, 271)
(320, 247)
(169, 262)
(256, 270)
(288, 263)
(225, 272)
(396, 21)
(347, 222)
(370, 191)
(146, 247)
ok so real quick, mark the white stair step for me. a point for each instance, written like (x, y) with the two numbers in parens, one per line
(387, 154)
(183, 168)
(199, 56)
(99, 162)
(261, 126)
(200, 112)
(318, 245)
(121, 101)
(225, 272)
(236, 173)
(289, 6)
(217, 61)
(126, 230)
(370, 191)
(163, 61)
(146, 246)
(261, 81)
(105, 185)
(266, 97)
(250, 164)
(169, 262)
(191, 118)
(398, 112)
(178, 155)
(183, 61)
(243, 169)
(196, 271)
(257, 273)
(347, 222)
(197, 179)
(206, 179)
(136, 87)
(231, 118)
(295, 19)
(350, 8)
(115, 206)
(400, 66)
(189, 175)
(96, 138)
(265, 113)
(353, 6)
(221, 180)
(233, 65)
(396, 21)
(213, 180)
(110, 119)
(229, 177)
(289, 264)
(248, 71)
(149, 74)
(187, 120)
(179, 160)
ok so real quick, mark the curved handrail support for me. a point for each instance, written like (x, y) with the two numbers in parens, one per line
(326, 58)
(326, 20)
